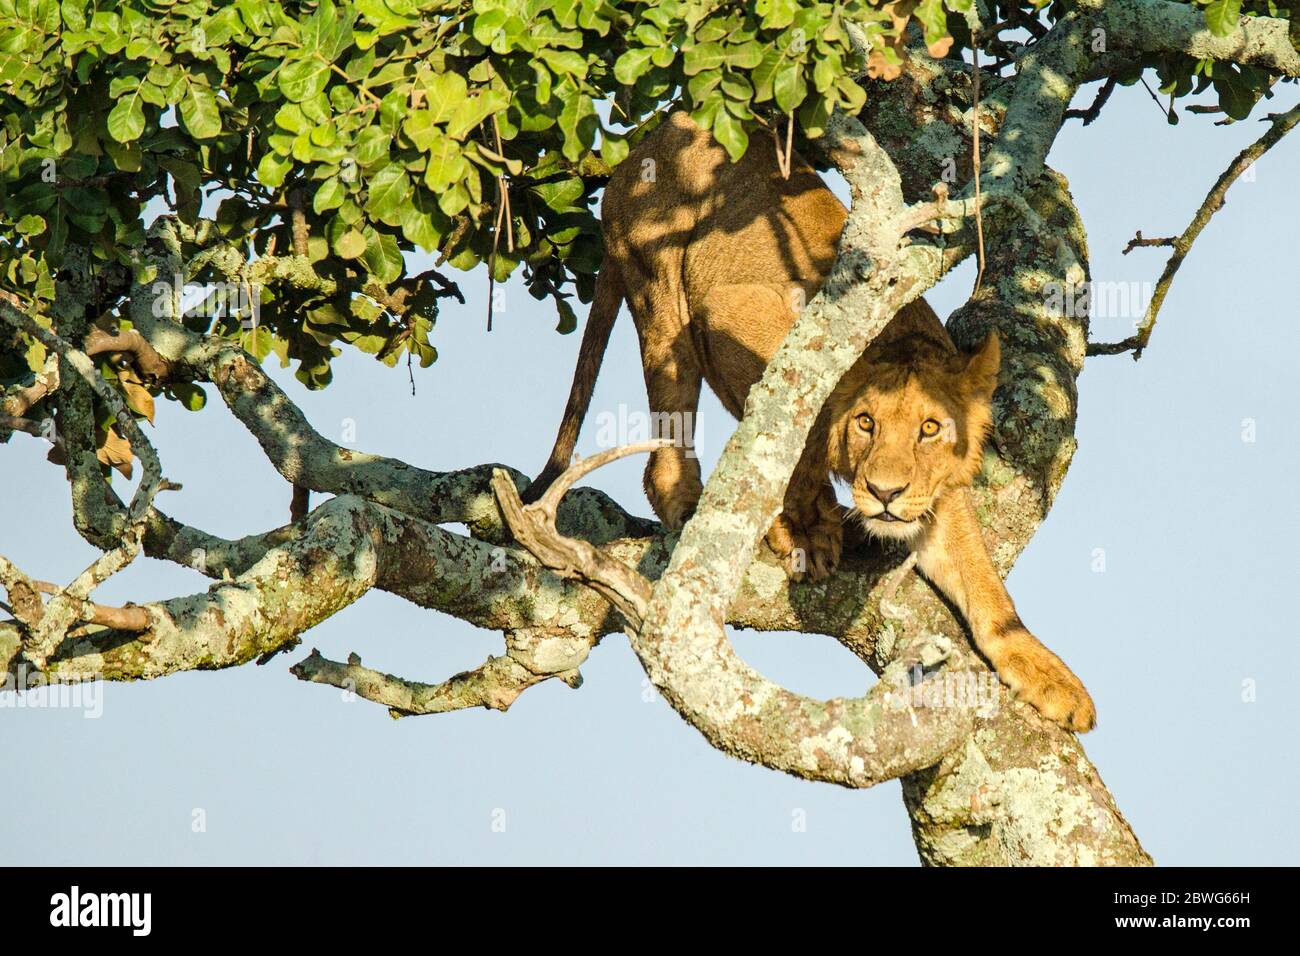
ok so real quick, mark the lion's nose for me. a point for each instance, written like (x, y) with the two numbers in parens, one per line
(885, 495)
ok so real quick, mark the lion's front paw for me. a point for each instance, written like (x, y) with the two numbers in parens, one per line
(807, 551)
(1038, 676)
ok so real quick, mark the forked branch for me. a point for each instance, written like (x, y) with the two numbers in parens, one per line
(857, 742)
(70, 604)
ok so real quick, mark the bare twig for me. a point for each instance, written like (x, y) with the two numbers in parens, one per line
(1092, 112)
(28, 608)
(300, 232)
(1279, 125)
(504, 216)
(784, 154)
(1140, 240)
(496, 684)
(36, 429)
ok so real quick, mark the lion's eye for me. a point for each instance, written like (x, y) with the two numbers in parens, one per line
(865, 422)
(930, 428)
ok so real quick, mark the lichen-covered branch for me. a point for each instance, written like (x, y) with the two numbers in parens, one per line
(70, 604)
(532, 656)
(1159, 26)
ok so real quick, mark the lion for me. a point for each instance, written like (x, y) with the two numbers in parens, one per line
(715, 260)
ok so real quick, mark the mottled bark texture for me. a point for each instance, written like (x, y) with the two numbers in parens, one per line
(985, 780)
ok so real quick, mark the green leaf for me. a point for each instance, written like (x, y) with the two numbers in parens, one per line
(126, 120)
(730, 132)
(1222, 16)
(383, 257)
(789, 87)
(564, 62)
(350, 245)
(443, 93)
(475, 110)
(329, 195)
(420, 227)
(125, 156)
(613, 148)
(447, 165)
(371, 145)
(703, 56)
(560, 195)
(199, 111)
(487, 24)
(272, 170)
(302, 79)
(389, 188)
(579, 123)
(1236, 94)
(776, 14)
(745, 56)
(632, 64)
(568, 320)
(191, 396)
(933, 18)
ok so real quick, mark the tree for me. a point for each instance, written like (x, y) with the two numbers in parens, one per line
(191, 186)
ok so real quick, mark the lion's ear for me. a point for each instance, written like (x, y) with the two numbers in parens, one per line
(980, 375)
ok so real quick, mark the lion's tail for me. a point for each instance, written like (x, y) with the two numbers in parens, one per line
(600, 322)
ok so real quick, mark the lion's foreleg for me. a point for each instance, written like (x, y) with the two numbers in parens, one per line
(808, 534)
(952, 555)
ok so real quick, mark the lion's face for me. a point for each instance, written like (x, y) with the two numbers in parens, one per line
(908, 425)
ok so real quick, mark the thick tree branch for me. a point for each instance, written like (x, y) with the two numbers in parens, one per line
(1159, 26)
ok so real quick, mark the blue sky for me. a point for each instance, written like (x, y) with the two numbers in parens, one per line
(1186, 639)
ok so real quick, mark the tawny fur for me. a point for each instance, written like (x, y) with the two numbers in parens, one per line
(715, 261)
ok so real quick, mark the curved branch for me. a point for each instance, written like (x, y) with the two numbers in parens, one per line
(858, 742)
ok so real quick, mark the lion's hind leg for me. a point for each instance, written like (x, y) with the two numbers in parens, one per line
(673, 379)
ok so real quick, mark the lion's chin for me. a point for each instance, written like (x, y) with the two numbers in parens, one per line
(892, 530)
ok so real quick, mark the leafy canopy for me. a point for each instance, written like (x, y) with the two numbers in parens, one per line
(352, 134)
